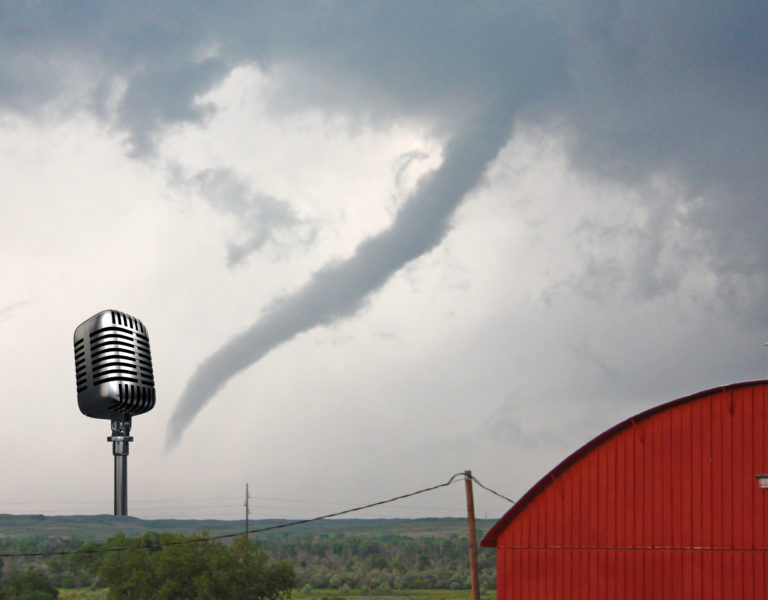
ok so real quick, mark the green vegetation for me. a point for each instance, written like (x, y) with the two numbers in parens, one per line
(332, 560)
(172, 566)
(382, 564)
(27, 585)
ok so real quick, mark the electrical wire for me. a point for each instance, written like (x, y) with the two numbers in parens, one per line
(475, 479)
(232, 535)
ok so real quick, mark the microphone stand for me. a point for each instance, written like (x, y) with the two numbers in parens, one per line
(121, 429)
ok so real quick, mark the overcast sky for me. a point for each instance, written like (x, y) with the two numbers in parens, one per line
(374, 244)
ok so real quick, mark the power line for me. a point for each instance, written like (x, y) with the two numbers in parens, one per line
(490, 490)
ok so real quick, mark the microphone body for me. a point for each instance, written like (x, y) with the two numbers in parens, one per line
(113, 366)
(115, 380)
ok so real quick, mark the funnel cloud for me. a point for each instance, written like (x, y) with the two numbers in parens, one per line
(339, 290)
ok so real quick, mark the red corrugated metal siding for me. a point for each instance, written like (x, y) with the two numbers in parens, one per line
(664, 505)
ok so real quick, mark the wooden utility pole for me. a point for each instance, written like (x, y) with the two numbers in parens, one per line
(247, 496)
(472, 536)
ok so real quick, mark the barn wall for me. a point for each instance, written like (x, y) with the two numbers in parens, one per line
(667, 506)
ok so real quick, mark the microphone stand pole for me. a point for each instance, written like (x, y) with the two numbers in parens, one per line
(121, 429)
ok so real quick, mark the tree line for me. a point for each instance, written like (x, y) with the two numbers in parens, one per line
(174, 565)
(381, 563)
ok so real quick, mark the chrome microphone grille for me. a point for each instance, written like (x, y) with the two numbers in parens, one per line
(113, 366)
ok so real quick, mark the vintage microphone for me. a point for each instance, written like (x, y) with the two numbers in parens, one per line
(113, 369)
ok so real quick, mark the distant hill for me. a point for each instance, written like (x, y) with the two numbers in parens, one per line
(100, 527)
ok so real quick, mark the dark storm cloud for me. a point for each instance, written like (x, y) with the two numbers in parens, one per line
(643, 85)
(661, 84)
(673, 87)
(380, 60)
(158, 98)
(389, 60)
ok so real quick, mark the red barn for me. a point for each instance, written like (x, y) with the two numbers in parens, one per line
(663, 505)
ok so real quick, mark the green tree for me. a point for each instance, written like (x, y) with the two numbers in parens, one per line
(28, 585)
(242, 572)
(173, 566)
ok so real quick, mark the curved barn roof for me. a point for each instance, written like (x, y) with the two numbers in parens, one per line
(492, 536)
